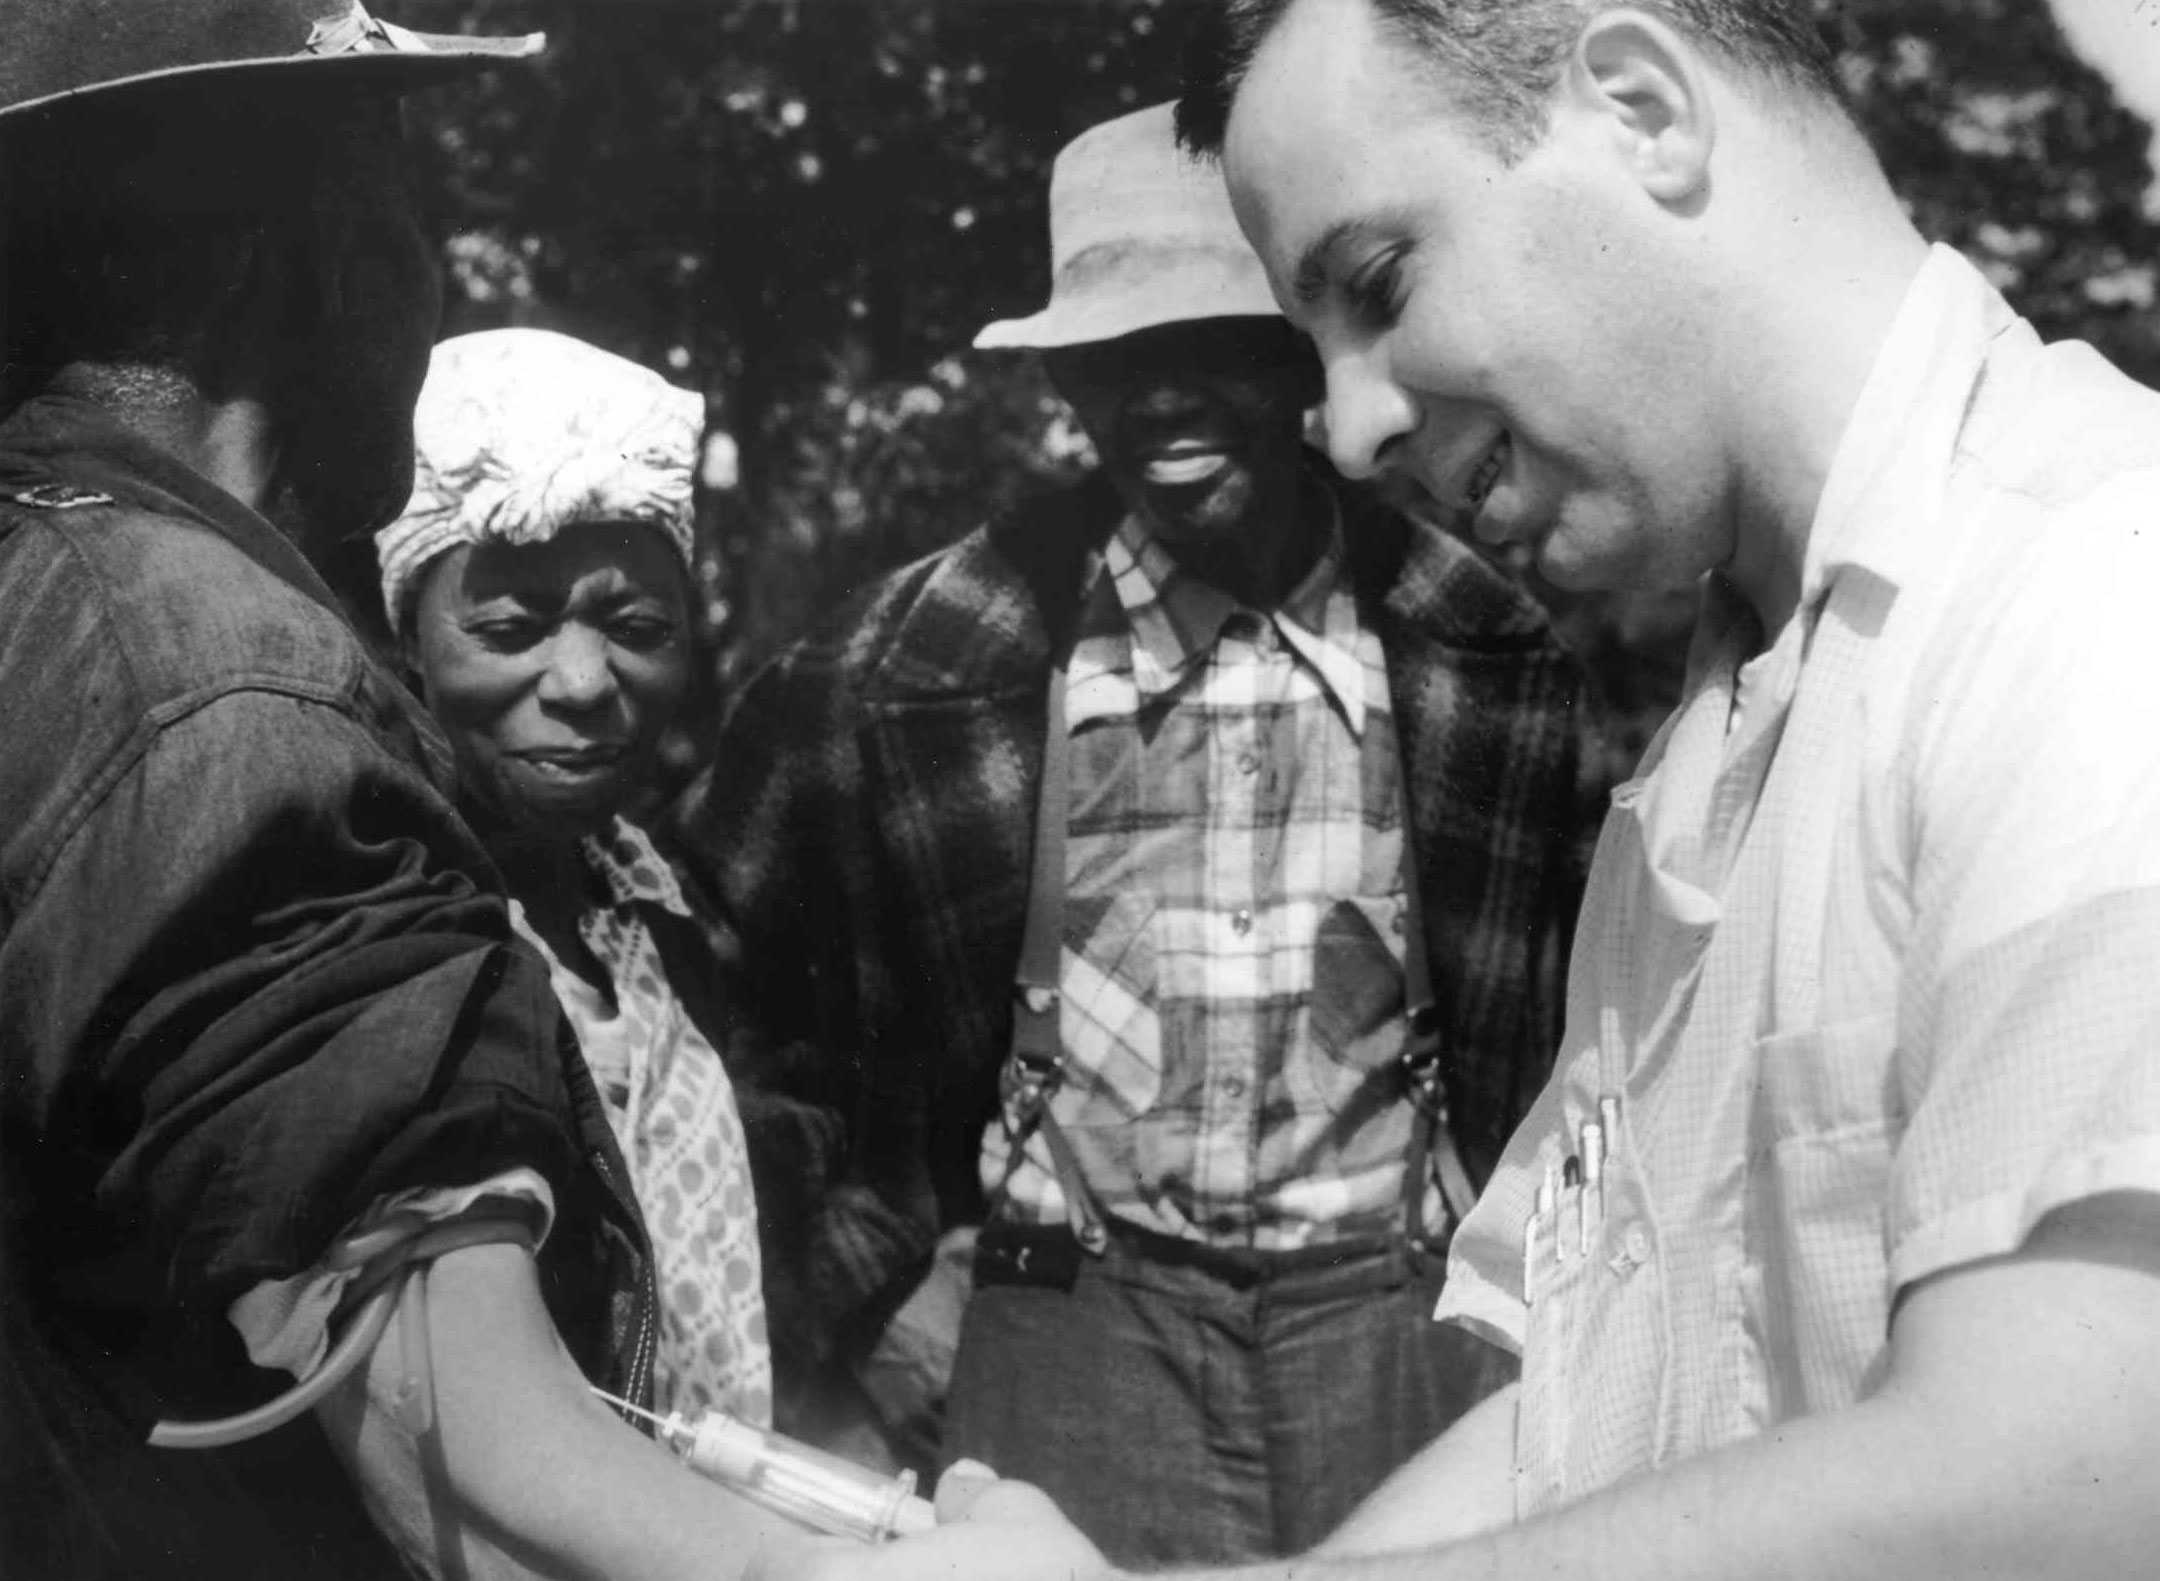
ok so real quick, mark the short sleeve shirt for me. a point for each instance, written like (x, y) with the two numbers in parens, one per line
(1864, 986)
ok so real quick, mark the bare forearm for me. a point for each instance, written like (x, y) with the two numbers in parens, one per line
(1459, 1486)
(526, 1473)
(1835, 1499)
(1851, 1497)
(2018, 1433)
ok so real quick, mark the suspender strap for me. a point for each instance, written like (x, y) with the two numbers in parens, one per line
(1433, 1153)
(1037, 1064)
(1042, 943)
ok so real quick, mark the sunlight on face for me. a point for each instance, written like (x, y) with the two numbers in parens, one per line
(1497, 334)
(555, 667)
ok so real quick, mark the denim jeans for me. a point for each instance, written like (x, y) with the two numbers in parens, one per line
(1183, 1405)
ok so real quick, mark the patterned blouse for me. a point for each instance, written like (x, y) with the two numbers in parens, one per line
(673, 1110)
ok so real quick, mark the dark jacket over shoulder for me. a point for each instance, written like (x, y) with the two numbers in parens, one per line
(253, 974)
(866, 827)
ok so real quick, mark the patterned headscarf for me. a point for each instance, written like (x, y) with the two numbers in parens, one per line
(522, 432)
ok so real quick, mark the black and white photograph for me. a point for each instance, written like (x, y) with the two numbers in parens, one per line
(1053, 790)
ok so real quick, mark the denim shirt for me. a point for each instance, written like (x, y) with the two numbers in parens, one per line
(254, 973)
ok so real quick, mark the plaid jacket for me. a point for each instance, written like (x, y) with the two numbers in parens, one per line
(866, 828)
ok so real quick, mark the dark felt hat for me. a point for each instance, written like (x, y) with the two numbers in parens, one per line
(56, 51)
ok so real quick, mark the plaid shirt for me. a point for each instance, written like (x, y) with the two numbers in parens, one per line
(1232, 975)
(864, 839)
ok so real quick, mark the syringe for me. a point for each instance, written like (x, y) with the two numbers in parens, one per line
(809, 1486)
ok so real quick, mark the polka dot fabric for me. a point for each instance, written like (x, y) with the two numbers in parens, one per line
(673, 1109)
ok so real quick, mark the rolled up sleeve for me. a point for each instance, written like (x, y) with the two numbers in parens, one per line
(2029, 1032)
(256, 987)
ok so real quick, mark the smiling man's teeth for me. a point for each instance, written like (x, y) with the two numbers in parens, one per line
(1488, 472)
(1189, 468)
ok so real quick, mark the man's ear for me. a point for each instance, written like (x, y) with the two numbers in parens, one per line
(1650, 84)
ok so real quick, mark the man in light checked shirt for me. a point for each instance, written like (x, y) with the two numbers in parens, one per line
(1084, 843)
(1833, 1248)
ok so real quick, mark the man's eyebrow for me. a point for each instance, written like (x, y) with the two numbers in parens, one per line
(1310, 278)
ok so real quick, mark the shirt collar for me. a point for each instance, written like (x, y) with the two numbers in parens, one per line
(1175, 618)
(1885, 484)
(79, 442)
(633, 870)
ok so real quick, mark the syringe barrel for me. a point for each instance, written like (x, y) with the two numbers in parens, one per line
(819, 1490)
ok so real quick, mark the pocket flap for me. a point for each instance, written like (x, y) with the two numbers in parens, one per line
(1828, 1078)
(1357, 977)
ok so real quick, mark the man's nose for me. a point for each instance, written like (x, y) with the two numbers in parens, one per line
(1369, 415)
(578, 674)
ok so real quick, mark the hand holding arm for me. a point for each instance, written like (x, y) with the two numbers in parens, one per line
(2016, 1432)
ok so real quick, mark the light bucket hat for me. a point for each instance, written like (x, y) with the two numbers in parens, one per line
(1141, 234)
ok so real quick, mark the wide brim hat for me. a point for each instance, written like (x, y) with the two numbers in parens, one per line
(1141, 234)
(57, 52)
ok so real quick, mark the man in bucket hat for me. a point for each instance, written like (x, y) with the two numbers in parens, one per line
(265, 1043)
(1172, 877)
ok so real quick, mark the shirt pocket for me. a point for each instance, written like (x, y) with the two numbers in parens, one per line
(1826, 1128)
(1107, 1020)
(1596, 1335)
(1356, 1009)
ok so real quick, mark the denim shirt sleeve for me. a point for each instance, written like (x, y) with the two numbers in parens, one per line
(253, 989)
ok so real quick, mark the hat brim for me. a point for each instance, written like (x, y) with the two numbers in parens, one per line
(447, 57)
(1122, 287)
(1054, 327)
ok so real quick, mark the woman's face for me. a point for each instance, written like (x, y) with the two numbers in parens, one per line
(555, 667)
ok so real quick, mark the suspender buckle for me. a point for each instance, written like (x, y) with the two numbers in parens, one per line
(1037, 1061)
(1422, 1063)
(1028, 1086)
(1434, 1158)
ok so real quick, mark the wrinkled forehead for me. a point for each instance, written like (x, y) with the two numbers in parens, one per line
(597, 558)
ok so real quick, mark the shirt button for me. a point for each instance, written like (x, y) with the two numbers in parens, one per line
(1233, 1086)
(1248, 762)
(1241, 923)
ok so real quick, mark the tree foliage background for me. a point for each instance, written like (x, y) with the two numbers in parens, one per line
(806, 208)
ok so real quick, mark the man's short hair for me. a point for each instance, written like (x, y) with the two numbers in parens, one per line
(1501, 59)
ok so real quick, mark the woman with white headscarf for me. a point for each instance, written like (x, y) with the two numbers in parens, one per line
(539, 587)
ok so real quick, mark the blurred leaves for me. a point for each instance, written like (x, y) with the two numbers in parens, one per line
(2009, 147)
(807, 208)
